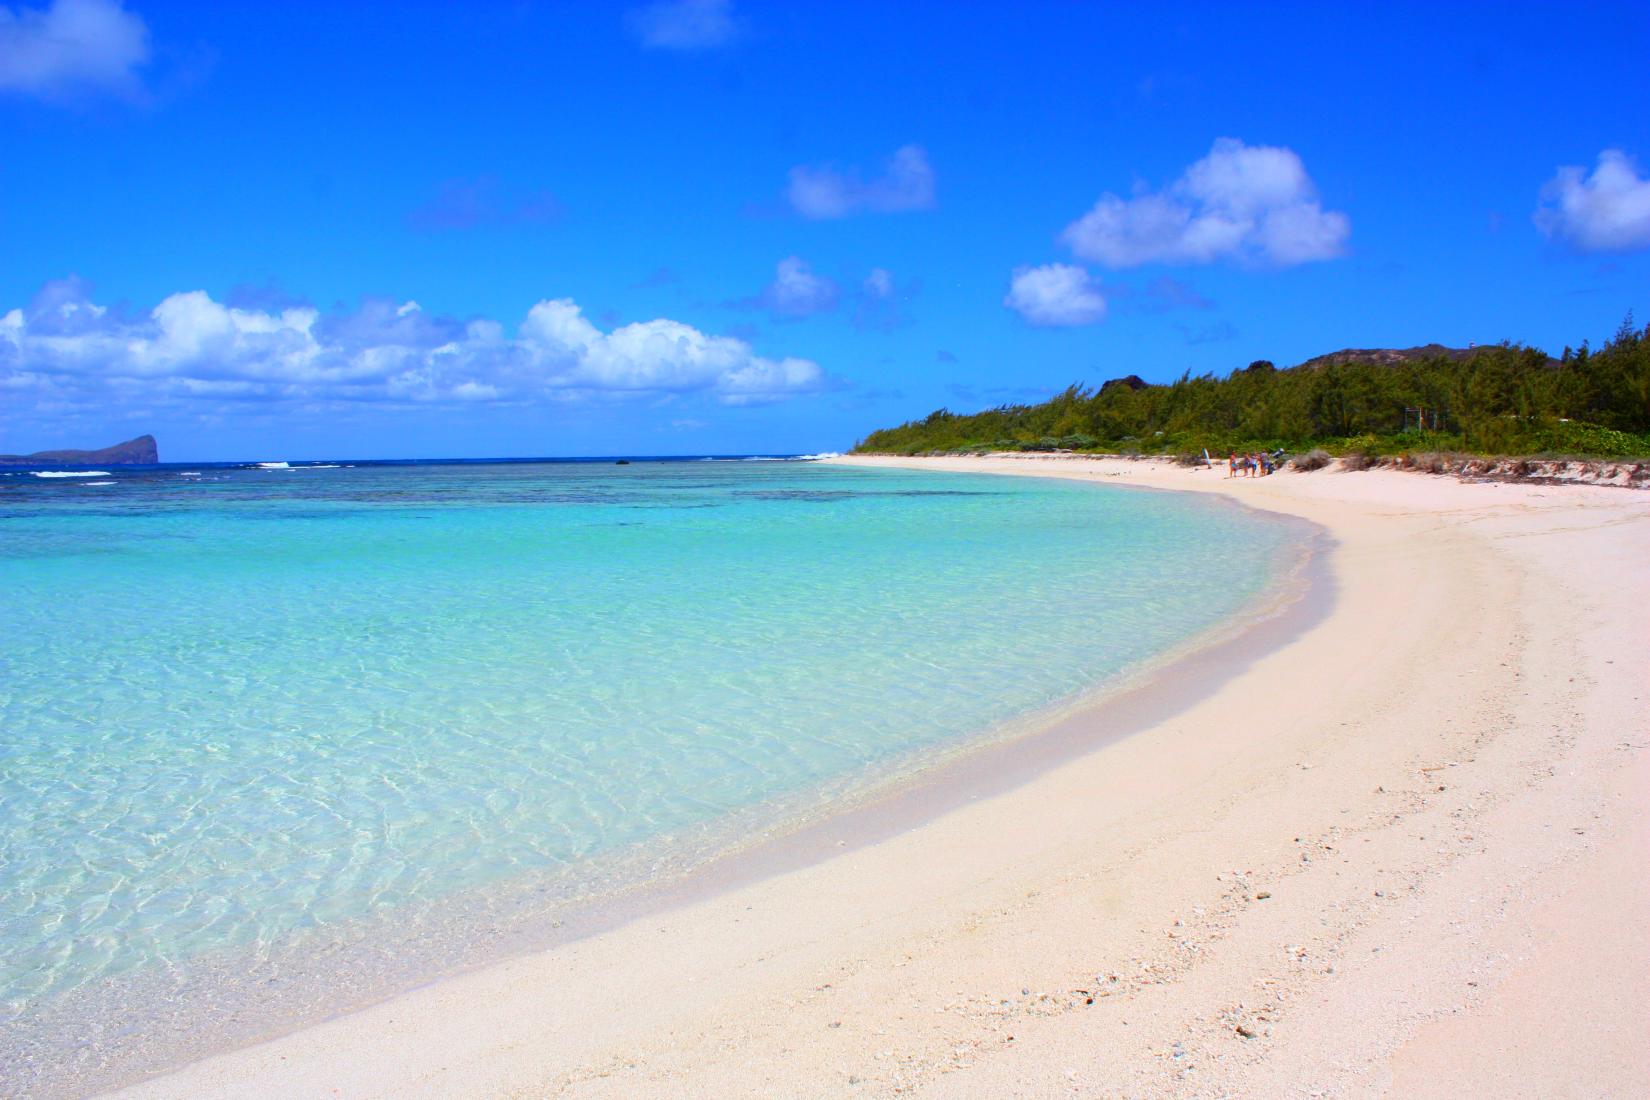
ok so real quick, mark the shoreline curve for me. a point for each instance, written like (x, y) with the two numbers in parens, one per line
(1396, 855)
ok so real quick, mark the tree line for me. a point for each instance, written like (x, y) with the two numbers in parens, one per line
(1504, 399)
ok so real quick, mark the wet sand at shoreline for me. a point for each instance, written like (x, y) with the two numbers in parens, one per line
(1400, 853)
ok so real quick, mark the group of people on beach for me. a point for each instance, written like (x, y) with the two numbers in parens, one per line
(1258, 464)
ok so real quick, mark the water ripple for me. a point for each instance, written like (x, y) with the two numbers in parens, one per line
(238, 715)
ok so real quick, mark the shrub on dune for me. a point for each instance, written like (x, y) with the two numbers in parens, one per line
(1359, 460)
(1315, 459)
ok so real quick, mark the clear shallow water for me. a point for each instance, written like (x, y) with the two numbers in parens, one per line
(243, 707)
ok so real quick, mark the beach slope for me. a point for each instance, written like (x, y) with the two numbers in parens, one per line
(1401, 852)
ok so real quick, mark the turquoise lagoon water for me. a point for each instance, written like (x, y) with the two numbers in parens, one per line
(242, 708)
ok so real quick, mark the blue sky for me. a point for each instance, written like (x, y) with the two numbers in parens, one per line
(313, 230)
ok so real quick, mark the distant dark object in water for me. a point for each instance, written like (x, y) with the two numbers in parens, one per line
(622, 462)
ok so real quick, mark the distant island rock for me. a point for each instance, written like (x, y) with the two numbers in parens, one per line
(134, 452)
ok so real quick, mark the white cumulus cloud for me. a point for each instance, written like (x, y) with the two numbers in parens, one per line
(63, 347)
(684, 24)
(906, 183)
(72, 47)
(1608, 211)
(1055, 294)
(1248, 203)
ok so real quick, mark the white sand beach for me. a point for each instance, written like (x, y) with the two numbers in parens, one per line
(1400, 854)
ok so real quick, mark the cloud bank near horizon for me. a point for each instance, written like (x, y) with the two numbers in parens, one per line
(65, 353)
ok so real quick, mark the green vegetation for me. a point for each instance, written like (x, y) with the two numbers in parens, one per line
(1502, 400)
